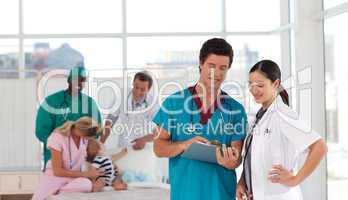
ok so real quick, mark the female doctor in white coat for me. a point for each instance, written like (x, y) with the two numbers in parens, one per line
(277, 142)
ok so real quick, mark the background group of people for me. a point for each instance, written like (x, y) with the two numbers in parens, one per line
(67, 145)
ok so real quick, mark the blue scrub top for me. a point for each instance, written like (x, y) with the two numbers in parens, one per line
(190, 179)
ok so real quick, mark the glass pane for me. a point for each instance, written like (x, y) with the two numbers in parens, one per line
(174, 16)
(248, 50)
(78, 16)
(172, 60)
(164, 51)
(336, 72)
(333, 3)
(251, 15)
(95, 53)
(9, 58)
(9, 16)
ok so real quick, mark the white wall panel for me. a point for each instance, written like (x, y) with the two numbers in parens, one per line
(19, 146)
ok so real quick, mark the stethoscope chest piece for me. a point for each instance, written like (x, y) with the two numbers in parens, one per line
(191, 128)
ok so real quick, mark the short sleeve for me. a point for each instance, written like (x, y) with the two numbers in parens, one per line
(162, 117)
(55, 141)
(240, 122)
(44, 123)
(298, 133)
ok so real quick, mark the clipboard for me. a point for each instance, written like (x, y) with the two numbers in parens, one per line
(201, 152)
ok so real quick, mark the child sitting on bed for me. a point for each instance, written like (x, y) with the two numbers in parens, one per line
(97, 158)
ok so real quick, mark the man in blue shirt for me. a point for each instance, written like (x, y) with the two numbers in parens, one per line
(203, 113)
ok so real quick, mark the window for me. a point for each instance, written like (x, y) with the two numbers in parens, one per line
(250, 15)
(9, 17)
(150, 51)
(95, 53)
(78, 16)
(174, 16)
(173, 64)
(8, 58)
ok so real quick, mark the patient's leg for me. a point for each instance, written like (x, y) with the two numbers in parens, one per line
(49, 185)
(77, 185)
(98, 185)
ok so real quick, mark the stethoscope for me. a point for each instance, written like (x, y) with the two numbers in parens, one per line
(249, 140)
(69, 150)
(191, 127)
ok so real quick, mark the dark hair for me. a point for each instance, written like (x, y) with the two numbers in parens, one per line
(272, 72)
(216, 46)
(143, 76)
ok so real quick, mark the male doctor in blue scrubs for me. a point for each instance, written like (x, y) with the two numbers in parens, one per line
(203, 113)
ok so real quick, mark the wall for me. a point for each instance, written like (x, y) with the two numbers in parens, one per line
(18, 146)
(309, 48)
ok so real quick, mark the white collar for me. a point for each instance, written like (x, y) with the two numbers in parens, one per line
(142, 101)
(131, 102)
(276, 105)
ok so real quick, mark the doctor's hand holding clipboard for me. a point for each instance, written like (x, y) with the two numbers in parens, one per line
(211, 152)
(228, 157)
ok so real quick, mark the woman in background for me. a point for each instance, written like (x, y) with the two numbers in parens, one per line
(63, 173)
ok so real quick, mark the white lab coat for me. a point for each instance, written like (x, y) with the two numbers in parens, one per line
(279, 138)
(133, 123)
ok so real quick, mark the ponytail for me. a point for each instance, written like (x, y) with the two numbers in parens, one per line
(284, 95)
